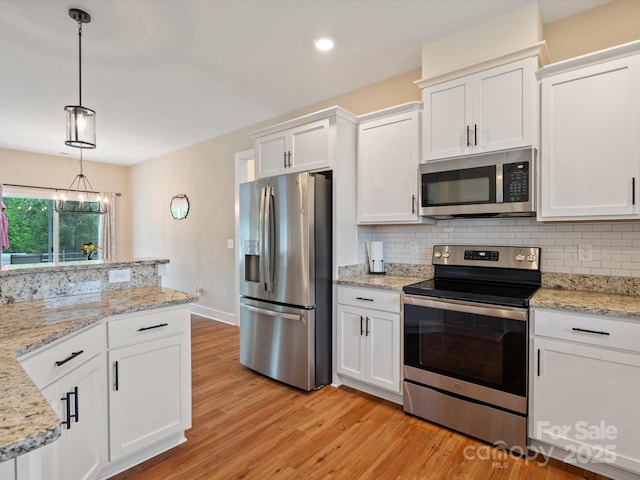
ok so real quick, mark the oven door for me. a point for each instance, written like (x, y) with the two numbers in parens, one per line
(472, 350)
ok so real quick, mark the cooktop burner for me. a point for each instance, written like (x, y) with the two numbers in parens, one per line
(495, 275)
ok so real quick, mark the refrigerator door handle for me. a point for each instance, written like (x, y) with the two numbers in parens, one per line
(263, 237)
(271, 313)
(269, 225)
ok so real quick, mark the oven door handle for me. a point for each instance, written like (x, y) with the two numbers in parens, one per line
(488, 310)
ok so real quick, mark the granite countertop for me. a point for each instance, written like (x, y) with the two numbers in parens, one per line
(386, 282)
(597, 303)
(26, 419)
(47, 267)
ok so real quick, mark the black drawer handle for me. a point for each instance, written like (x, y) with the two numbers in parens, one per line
(365, 299)
(576, 329)
(69, 358)
(160, 325)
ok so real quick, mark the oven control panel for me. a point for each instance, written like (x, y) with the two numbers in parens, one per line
(521, 258)
(484, 255)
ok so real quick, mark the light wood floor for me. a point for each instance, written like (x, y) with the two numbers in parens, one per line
(246, 426)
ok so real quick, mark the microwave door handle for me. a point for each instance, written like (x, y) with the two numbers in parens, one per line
(499, 183)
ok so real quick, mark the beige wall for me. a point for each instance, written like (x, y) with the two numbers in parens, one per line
(34, 169)
(197, 246)
(601, 27)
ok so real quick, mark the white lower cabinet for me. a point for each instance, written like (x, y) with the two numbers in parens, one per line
(149, 379)
(585, 380)
(115, 412)
(8, 470)
(79, 401)
(76, 392)
(368, 337)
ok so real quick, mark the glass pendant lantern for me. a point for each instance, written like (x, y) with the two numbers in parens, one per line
(81, 121)
(81, 127)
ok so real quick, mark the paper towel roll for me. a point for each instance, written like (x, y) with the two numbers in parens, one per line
(376, 257)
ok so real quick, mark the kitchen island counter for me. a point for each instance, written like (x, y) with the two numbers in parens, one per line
(26, 419)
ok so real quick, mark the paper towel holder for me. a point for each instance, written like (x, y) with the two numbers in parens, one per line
(376, 258)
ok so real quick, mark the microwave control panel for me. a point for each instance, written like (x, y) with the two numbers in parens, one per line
(516, 182)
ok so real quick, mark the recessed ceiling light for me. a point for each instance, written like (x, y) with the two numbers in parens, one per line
(324, 44)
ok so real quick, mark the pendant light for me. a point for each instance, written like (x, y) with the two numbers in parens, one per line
(81, 121)
(81, 133)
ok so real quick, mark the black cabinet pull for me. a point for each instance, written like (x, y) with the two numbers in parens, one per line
(115, 376)
(284, 154)
(468, 136)
(67, 422)
(365, 299)
(475, 133)
(160, 325)
(69, 358)
(289, 159)
(538, 362)
(576, 329)
(413, 204)
(367, 331)
(75, 405)
(633, 191)
(361, 329)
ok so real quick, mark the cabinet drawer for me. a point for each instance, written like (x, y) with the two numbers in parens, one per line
(49, 363)
(370, 298)
(588, 329)
(142, 327)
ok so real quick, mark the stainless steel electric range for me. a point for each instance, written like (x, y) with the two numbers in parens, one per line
(465, 341)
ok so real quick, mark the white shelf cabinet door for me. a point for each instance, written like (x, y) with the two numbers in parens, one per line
(351, 342)
(505, 107)
(447, 114)
(492, 110)
(388, 157)
(310, 146)
(80, 452)
(272, 154)
(149, 393)
(591, 142)
(383, 349)
(585, 400)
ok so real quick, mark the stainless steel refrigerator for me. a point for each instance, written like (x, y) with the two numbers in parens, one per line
(285, 278)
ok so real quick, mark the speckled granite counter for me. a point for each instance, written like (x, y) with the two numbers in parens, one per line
(26, 419)
(616, 305)
(386, 282)
(398, 275)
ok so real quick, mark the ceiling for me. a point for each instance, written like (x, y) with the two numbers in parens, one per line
(165, 74)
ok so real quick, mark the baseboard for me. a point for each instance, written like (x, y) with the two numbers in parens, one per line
(143, 455)
(365, 387)
(213, 314)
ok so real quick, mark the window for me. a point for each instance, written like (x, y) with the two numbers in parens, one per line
(38, 234)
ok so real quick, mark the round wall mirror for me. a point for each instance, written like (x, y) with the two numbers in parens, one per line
(179, 206)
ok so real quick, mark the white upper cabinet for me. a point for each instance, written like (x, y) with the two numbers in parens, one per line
(387, 167)
(303, 144)
(494, 109)
(590, 152)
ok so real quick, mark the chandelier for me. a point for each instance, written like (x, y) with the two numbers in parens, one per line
(80, 197)
(81, 133)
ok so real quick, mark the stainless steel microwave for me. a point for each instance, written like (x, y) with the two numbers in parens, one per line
(498, 184)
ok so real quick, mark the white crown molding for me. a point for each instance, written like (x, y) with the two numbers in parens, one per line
(536, 50)
(334, 111)
(402, 108)
(594, 58)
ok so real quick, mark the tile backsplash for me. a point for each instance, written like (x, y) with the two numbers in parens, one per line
(615, 245)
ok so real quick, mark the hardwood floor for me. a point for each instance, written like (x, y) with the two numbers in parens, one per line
(246, 426)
